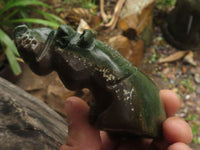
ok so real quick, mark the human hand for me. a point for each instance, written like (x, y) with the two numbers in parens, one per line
(84, 136)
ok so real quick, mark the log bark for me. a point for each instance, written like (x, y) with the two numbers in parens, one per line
(27, 123)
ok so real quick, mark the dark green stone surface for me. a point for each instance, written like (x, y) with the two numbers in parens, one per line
(125, 100)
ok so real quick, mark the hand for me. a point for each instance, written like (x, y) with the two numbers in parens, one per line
(83, 136)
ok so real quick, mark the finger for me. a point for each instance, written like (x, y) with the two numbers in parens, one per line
(107, 142)
(81, 134)
(177, 130)
(171, 102)
(181, 146)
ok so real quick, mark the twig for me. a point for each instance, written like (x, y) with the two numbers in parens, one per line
(115, 15)
(103, 14)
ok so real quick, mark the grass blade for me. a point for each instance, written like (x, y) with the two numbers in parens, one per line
(36, 21)
(24, 14)
(5, 39)
(50, 16)
(13, 62)
(22, 3)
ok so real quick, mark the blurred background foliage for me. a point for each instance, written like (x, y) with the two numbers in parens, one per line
(13, 12)
(165, 3)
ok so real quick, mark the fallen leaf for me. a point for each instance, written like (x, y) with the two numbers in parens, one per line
(189, 58)
(174, 57)
(82, 26)
(130, 49)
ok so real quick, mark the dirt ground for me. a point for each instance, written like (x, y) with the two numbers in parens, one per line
(179, 76)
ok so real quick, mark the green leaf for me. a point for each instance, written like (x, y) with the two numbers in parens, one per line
(5, 39)
(50, 16)
(13, 62)
(36, 21)
(22, 3)
(24, 14)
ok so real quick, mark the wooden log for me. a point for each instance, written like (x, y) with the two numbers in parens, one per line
(27, 123)
(182, 26)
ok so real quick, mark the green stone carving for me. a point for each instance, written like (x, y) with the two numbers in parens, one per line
(126, 101)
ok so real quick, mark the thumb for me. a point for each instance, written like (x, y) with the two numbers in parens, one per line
(82, 135)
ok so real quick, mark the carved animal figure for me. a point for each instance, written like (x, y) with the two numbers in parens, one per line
(126, 101)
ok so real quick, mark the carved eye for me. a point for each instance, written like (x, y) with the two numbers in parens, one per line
(20, 30)
(86, 39)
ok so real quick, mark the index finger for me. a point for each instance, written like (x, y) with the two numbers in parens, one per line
(170, 101)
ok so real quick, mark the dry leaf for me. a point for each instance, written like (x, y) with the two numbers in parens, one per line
(104, 16)
(174, 57)
(189, 58)
(73, 16)
(82, 26)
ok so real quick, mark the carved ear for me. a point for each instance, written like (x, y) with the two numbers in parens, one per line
(64, 35)
(65, 30)
(86, 39)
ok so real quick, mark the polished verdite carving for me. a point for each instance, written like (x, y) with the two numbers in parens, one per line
(125, 101)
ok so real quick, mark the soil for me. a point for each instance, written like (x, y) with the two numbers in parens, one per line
(179, 76)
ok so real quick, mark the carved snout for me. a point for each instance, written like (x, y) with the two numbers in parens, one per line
(34, 47)
(23, 39)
